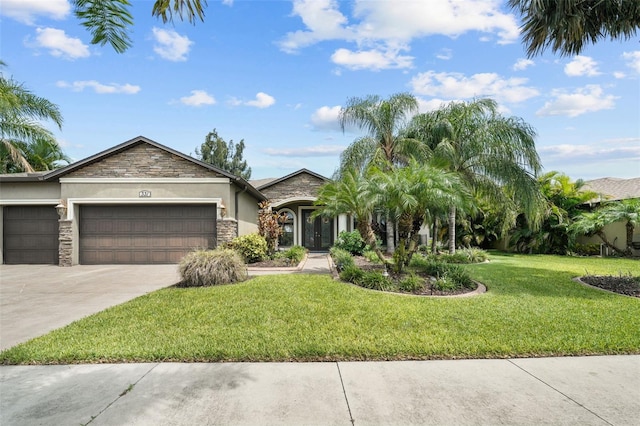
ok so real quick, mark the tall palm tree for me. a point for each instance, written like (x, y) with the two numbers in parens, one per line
(489, 152)
(385, 145)
(567, 25)
(20, 111)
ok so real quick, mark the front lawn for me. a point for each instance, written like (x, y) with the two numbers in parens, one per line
(532, 308)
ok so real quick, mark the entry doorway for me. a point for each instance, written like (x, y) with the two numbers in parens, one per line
(317, 233)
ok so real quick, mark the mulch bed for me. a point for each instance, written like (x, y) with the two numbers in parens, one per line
(628, 286)
(427, 290)
(273, 263)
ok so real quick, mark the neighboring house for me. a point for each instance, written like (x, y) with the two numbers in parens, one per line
(612, 189)
(141, 202)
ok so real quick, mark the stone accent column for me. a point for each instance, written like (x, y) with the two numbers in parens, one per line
(65, 245)
(227, 230)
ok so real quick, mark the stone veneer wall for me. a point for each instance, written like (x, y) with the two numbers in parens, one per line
(65, 242)
(227, 230)
(144, 161)
(302, 185)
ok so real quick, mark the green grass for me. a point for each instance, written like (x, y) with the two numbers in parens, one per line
(533, 308)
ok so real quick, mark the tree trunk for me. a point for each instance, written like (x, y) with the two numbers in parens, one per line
(629, 227)
(452, 230)
(391, 240)
(434, 237)
(606, 242)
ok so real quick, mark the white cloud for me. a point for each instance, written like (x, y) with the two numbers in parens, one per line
(430, 105)
(590, 98)
(619, 74)
(326, 118)
(111, 88)
(445, 54)
(459, 86)
(171, 45)
(25, 11)
(605, 150)
(370, 59)
(227, 2)
(312, 151)
(633, 60)
(582, 66)
(198, 98)
(522, 64)
(380, 28)
(60, 44)
(262, 100)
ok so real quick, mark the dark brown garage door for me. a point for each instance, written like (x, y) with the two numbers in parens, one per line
(144, 234)
(30, 235)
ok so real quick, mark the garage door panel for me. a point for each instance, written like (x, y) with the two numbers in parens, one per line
(142, 234)
(30, 235)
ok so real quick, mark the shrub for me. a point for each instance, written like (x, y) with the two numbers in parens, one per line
(375, 281)
(587, 249)
(295, 254)
(351, 242)
(252, 247)
(351, 274)
(341, 258)
(475, 255)
(462, 256)
(446, 271)
(411, 283)
(371, 256)
(445, 283)
(212, 267)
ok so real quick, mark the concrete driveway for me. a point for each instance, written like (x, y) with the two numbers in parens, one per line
(35, 299)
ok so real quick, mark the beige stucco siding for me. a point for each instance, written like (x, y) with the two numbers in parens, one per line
(616, 234)
(14, 192)
(247, 213)
(114, 189)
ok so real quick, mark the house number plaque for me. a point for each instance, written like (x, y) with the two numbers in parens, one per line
(144, 194)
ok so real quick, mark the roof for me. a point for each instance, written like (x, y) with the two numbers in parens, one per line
(261, 182)
(56, 174)
(272, 182)
(612, 189)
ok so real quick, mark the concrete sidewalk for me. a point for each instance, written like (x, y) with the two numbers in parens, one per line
(601, 390)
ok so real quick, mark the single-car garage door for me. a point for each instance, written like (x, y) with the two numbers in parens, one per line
(144, 234)
(30, 235)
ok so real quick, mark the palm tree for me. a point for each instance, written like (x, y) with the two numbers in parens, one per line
(563, 198)
(593, 223)
(627, 211)
(384, 121)
(409, 194)
(567, 25)
(20, 111)
(110, 21)
(351, 194)
(489, 152)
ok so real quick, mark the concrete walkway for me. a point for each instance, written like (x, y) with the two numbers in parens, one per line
(559, 391)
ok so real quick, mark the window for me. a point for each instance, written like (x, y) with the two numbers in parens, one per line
(286, 239)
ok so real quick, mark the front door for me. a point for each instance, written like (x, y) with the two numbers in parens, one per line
(318, 232)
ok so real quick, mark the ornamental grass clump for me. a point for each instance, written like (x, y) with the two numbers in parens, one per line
(203, 268)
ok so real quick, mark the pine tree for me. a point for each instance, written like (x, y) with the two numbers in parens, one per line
(226, 156)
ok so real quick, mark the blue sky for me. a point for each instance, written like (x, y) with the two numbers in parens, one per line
(275, 73)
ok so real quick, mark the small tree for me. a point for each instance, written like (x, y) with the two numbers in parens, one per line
(270, 225)
(226, 156)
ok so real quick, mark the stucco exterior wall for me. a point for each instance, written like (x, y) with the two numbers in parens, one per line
(616, 234)
(247, 214)
(15, 192)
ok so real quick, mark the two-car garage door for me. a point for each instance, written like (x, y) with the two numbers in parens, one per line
(144, 234)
